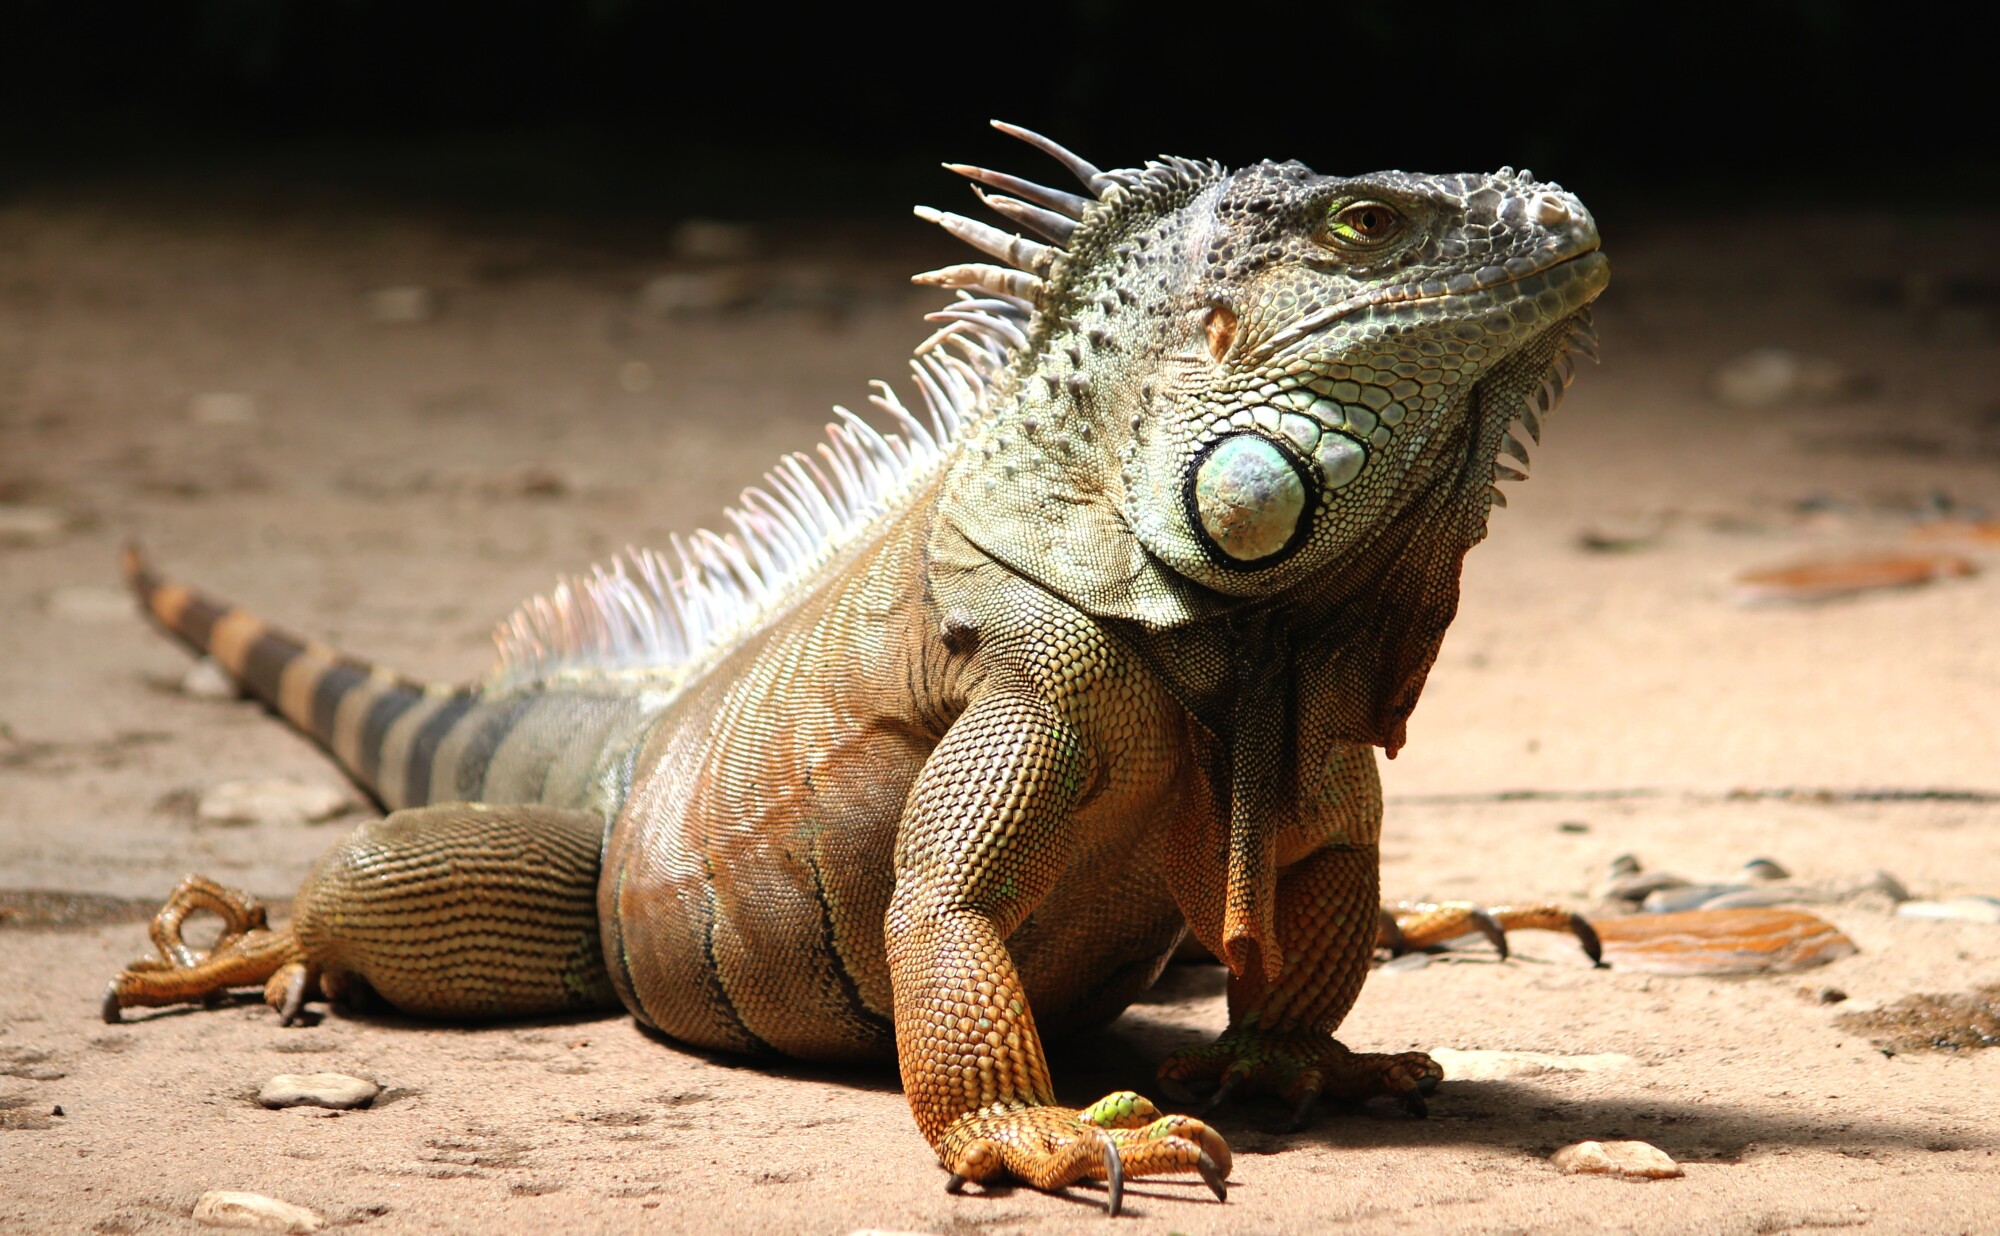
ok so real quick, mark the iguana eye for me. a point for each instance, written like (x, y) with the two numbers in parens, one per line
(1364, 223)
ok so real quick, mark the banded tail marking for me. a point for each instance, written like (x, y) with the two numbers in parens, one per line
(344, 704)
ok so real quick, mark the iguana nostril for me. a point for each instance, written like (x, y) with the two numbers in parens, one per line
(1550, 211)
(1249, 497)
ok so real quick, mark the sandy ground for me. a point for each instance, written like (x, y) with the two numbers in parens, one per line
(396, 488)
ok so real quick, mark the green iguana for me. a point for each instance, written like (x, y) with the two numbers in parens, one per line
(973, 716)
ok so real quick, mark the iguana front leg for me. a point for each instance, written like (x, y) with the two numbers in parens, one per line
(1280, 1035)
(984, 838)
(1286, 891)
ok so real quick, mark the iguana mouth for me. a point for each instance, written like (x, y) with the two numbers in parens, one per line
(1585, 263)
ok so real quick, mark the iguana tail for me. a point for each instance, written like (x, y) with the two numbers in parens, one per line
(381, 727)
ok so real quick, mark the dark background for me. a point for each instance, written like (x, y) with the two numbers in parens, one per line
(627, 107)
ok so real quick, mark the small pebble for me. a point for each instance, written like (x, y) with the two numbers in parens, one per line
(31, 525)
(1964, 909)
(222, 408)
(252, 1212)
(207, 680)
(1497, 1065)
(401, 306)
(1625, 865)
(1637, 887)
(1766, 869)
(1573, 826)
(1686, 897)
(1884, 883)
(91, 603)
(1635, 1160)
(1768, 895)
(335, 1090)
(1771, 895)
(271, 802)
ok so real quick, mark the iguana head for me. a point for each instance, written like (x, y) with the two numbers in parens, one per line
(1250, 375)
(1342, 343)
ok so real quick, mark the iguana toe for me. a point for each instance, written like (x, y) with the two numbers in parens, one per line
(1119, 1137)
(1409, 927)
(1301, 1067)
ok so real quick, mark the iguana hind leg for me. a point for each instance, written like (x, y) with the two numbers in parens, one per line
(247, 952)
(461, 910)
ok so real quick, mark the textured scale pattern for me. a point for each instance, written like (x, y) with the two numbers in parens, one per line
(968, 720)
(502, 902)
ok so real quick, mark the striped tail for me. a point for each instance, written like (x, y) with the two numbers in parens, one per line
(366, 717)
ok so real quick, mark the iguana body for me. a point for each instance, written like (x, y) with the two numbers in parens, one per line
(948, 746)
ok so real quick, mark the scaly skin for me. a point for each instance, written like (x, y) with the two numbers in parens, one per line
(1109, 671)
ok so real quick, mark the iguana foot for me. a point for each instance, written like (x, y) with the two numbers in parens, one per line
(1299, 1066)
(247, 954)
(1411, 926)
(1119, 1136)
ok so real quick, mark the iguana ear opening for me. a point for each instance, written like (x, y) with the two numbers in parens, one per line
(1250, 500)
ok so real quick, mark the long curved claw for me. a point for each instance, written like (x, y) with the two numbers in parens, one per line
(1212, 1176)
(1490, 927)
(1303, 1109)
(1232, 1082)
(297, 983)
(1586, 935)
(1120, 1137)
(1114, 1176)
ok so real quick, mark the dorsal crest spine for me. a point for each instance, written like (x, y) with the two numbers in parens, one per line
(659, 610)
